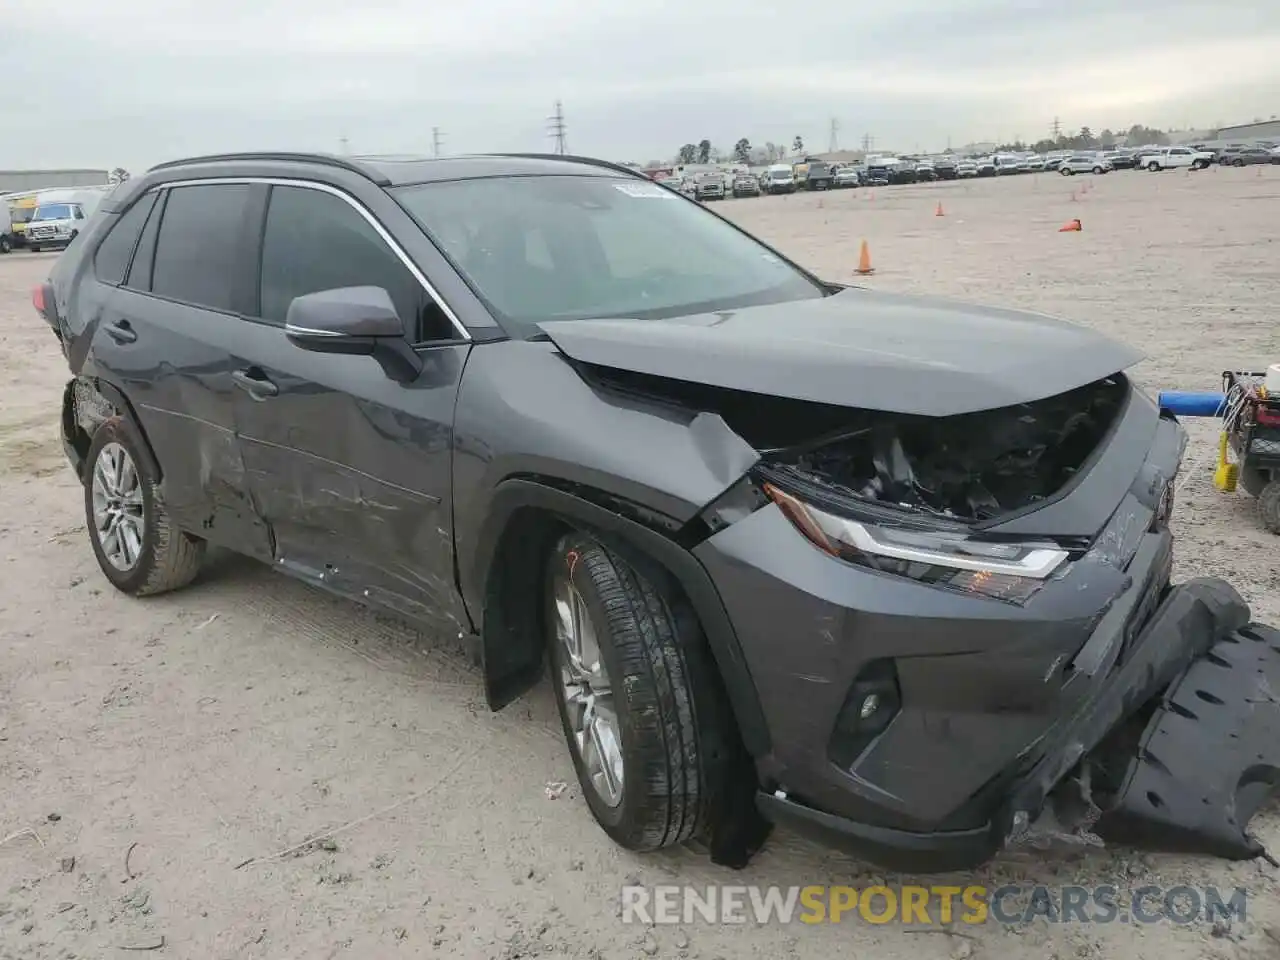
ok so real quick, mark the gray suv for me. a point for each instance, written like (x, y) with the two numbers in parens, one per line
(889, 569)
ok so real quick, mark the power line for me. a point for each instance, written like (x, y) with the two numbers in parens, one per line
(436, 138)
(557, 129)
(868, 142)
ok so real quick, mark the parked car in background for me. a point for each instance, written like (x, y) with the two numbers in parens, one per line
(710, 186)
(818, 176)
(846, 177)
(1118, 159)
(6, 228)
(1084, 163)
(60, 217)
(1006, 164)
(945, 168)
(925, 171)
(1035, 164)
(1247, 156)
(1172, 158)
(880, 171)
(780, 178)
(986, 167)
(22, 207)
(745, 185)
(966, 169)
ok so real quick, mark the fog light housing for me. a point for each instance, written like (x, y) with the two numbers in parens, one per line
(871, 704)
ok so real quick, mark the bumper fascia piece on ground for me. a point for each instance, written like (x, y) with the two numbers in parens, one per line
(1209, 757)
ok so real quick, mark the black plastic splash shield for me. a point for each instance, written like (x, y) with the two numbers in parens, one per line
(1209, 757)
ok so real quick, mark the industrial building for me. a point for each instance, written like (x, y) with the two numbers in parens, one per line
(1264, 129)
(12, 181)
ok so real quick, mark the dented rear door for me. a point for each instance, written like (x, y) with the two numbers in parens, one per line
(166, 338)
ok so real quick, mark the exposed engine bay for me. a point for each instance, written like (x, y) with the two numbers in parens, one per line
(967, 468)
(971, 467)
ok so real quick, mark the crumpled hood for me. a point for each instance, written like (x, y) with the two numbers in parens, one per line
(859, 348)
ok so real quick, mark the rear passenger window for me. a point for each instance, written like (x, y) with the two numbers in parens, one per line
(199, 247)
(116, 249)
(315, 241)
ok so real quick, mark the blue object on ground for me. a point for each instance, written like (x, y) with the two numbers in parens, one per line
(1185, 404)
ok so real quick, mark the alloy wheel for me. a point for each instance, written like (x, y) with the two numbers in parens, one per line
(588, 693)
(117, 507)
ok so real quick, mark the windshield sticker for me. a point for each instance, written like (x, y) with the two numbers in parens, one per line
(644, 191)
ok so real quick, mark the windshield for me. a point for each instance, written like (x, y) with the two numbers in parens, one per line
(22, 214)
(780, 174)
(572, 247)
(53, 211)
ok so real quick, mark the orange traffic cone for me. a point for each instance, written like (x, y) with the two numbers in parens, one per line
(864, 260)
(1071, 226)
(938, 212)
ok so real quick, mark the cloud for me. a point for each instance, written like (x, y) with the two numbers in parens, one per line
(162, 77)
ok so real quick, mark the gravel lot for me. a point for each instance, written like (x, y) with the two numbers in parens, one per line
(161, 743)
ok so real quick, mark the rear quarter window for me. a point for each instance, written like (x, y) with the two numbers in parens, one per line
(115, 252)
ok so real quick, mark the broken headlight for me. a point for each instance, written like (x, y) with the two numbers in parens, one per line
(1011, 572)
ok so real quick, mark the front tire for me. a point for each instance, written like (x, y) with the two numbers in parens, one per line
(1065, 171)
(1153, 166)
(640, 714)
(5, 245)
(137, 547)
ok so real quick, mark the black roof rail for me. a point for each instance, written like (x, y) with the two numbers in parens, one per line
(323, 159)
(569, 158)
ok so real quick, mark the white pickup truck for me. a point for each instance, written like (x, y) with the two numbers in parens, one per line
(1171, 158)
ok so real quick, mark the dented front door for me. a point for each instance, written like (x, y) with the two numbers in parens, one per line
(351, 471)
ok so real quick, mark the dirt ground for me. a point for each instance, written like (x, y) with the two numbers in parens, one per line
(147, 748)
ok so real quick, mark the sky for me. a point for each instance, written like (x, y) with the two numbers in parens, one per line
(96, 84)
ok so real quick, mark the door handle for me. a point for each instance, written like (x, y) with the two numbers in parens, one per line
(258, 387)
(121, 332)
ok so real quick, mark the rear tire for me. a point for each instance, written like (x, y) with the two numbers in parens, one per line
(668, 712)
(118, 486)
(5, 245)
(1269, 506)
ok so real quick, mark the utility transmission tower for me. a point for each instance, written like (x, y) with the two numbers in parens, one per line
(344, 146)
(868, 142)
(1056, 129)
(557, 128)
(833, 142)
(436, 140)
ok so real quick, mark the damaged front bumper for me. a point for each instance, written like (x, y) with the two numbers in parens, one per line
(1207, 759)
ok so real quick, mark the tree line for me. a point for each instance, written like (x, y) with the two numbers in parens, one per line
(1086, 139)
(704, 152)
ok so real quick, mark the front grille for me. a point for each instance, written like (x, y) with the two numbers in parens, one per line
(40, 233)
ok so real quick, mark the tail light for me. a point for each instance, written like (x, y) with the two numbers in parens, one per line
(37, 299)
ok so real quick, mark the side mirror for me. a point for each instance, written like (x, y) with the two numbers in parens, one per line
(357, 321)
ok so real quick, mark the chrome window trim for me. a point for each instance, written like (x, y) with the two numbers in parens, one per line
(355, 205)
